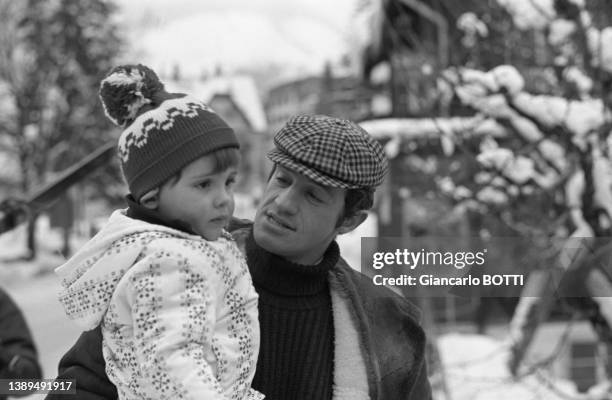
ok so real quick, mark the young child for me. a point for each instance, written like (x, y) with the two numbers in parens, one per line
(165, 281)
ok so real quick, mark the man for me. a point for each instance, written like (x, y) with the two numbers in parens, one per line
(326, 331)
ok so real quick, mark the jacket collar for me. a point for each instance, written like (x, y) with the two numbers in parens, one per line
(138, 211)
(350, 371)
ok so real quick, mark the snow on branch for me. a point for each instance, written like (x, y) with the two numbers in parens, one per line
(431, 128)
(559, 135)
(552, 149)
(564, 19)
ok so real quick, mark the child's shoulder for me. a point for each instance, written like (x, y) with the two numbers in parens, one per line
(192, 245)
(169, 257)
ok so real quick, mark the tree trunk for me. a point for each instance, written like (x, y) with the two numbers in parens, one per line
(31, 241)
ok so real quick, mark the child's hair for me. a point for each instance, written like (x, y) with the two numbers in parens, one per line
(163, 132)
(222, 158)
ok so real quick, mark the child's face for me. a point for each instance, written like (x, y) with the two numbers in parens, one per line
(201, 198)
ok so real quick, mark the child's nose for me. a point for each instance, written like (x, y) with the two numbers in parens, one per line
(222, 198)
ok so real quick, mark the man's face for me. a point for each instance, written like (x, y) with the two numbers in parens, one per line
(297, 217)
(201, 198)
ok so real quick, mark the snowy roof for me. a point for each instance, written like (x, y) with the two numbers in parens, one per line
(240, 88)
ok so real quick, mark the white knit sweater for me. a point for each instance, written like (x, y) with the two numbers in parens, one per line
(178, 313)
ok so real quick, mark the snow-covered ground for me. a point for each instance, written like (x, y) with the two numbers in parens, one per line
(12, 249)
(475, 367)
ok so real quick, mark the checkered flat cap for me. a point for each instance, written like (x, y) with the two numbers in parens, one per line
(330, 151)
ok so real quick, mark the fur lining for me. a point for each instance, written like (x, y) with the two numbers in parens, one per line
(350, 376)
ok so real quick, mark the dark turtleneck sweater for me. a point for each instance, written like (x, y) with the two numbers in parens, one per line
(296, 358)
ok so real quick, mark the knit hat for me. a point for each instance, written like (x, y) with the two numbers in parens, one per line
(163, 132)
(330, 151)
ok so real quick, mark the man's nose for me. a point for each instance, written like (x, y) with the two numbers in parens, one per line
(287, 201)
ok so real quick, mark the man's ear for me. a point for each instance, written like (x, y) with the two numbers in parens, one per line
(353, 222)
(150, 199)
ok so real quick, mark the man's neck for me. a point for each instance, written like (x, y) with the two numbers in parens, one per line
(284, 277)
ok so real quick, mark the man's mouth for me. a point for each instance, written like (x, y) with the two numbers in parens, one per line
(275, 220)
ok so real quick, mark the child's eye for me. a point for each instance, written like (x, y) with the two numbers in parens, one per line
(203, 185)
(230, 181)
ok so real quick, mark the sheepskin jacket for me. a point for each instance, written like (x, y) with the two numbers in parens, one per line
(379, 344)
(178, 313)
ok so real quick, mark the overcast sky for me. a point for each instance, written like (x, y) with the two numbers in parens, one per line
(333, 12)
(199, 35)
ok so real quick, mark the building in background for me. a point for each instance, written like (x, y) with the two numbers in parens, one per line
(299, 96)
(334, 92)
(237, 100)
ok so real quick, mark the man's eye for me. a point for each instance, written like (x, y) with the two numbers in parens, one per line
(315, 197)
(282, 180)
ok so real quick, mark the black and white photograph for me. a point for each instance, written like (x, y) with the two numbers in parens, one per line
(306, 199)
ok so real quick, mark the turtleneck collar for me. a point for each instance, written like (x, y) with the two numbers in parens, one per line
(140, 212)
(287, 278)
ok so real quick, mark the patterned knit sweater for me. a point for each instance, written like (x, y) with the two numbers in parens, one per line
(178, 313)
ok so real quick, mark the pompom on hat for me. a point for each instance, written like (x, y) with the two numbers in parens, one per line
(162, 132)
